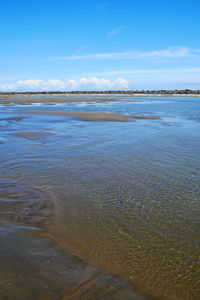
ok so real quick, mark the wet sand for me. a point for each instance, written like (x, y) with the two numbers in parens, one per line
(92, 116)
(88, 98)
(32, 134)
(24, 100)
(60, 98)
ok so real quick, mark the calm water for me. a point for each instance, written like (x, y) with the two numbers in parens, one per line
(124, 196)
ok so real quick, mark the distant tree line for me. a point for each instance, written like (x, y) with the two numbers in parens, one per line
(129, 92)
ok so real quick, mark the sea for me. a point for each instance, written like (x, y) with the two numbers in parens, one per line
(100, 209)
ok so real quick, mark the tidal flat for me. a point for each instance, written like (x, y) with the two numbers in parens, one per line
(99, 198)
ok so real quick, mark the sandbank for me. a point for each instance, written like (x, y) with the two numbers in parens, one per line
(32, 135)
(92, 116)
(28, 100)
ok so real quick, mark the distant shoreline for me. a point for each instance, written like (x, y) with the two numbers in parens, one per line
(142, 93)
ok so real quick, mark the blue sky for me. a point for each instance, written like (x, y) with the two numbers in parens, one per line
(65, 45)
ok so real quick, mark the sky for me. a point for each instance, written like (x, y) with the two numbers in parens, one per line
(99, 45)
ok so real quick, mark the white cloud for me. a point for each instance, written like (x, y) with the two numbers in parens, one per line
(103, 5)
(115, 31)
(84, 83)
(148, 71)
(173, 52)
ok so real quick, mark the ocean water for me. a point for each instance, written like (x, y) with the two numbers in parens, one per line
(120, 195)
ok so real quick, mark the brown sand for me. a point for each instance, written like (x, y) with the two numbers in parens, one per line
(12, 119)
(26, 100)
(31, 135)
(93, 116)
(41, 98)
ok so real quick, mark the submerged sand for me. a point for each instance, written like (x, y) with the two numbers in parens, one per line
(34, 269)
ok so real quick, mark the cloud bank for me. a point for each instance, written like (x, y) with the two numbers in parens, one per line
(84, 83)
(126, 79)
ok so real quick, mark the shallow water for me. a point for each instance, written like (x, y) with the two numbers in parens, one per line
(120, 196)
